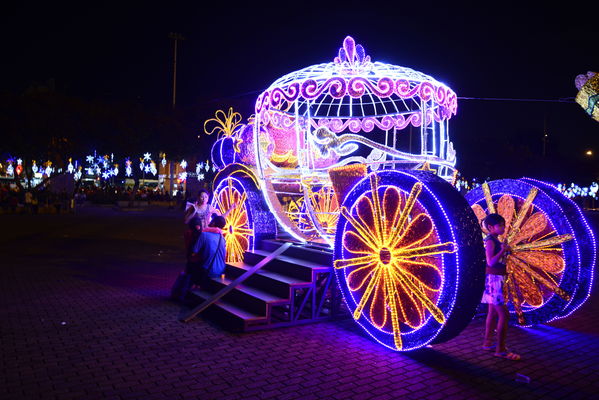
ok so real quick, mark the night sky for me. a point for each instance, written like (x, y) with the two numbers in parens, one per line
(121, 51)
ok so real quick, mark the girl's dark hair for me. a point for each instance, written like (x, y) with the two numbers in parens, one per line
(493, 219)
(202, 190)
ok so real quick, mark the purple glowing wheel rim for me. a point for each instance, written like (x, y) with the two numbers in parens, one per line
(584, 240)
(411, 278)
(543, 267)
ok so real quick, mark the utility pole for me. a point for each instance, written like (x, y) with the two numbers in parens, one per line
(176, 37)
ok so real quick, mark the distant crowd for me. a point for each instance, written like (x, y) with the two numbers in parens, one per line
(14, 199)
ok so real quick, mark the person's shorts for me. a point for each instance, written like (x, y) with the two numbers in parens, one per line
(494, 290)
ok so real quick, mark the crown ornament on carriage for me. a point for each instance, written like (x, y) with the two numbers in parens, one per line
(352, 58)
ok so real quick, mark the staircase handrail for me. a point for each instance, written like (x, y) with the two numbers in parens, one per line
(218, 295)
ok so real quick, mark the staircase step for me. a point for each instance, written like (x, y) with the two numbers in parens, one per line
(313, 252)
(285, 265)
(228, 314)
(278, 284)
(246, 297)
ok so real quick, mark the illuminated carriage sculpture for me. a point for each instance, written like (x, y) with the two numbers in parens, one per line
(355, 155)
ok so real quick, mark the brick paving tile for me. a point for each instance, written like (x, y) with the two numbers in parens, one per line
(85, 315)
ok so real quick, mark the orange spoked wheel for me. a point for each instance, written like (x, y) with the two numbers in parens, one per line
(239, 231)
(543, 265)
(401, 263)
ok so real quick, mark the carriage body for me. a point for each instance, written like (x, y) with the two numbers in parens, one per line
(343, 112)
(356, 155)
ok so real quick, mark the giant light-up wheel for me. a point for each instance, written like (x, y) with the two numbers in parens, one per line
(407, 274)
(351, 110)
(545, 279)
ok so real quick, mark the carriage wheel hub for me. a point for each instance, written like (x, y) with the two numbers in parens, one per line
(385, 255)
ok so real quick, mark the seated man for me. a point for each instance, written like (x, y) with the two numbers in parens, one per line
(210, 251)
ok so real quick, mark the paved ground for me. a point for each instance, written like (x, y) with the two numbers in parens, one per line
(84, 315)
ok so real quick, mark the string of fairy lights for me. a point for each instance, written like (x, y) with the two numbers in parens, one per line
(106, 168)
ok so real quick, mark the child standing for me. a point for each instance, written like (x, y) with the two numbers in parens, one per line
(498, 314)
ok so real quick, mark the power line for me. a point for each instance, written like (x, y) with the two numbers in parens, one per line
(562, 100)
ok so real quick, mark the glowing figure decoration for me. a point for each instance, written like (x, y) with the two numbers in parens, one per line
(543, 266)
(70, 167)
(34, 167)
(128, 170)
(48, 170)
(10, 170)
(238, 232)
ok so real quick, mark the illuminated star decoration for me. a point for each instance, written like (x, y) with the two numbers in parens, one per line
(237, 230)
(392, 266)
(536, 261)
(183, 164)
(147, 156)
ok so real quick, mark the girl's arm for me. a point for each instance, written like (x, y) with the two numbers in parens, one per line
(229, 210)
(213, 229)
(189, 212)
(490, 249)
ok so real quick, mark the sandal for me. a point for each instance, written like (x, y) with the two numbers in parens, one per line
(490, 347)
(508, 355)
